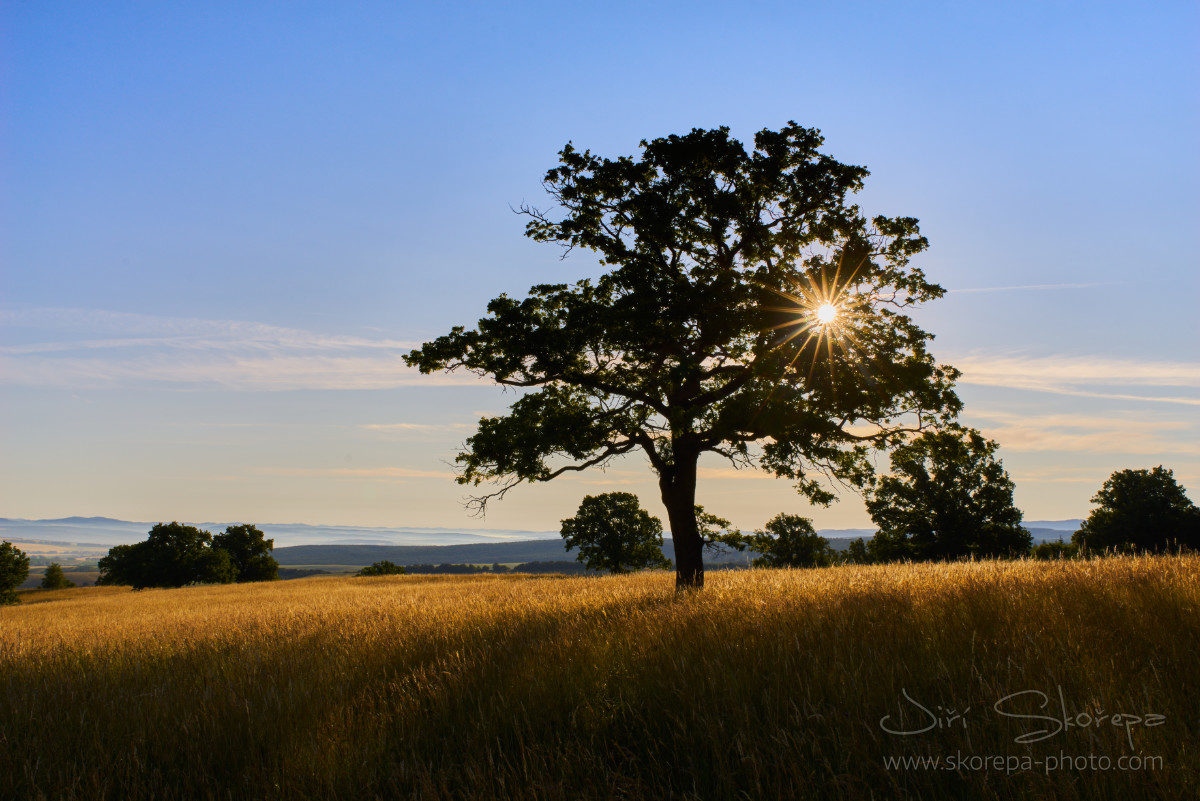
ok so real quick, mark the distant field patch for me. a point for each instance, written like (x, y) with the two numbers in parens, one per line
(46, 549)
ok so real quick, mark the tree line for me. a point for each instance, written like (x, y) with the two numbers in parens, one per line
(947, 497)
(387, 568)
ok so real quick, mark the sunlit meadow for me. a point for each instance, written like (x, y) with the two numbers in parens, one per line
(766, 684)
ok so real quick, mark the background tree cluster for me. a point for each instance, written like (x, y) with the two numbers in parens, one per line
(947, 497)
(613, 532)
(175, 555)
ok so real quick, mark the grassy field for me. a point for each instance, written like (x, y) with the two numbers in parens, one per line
(768, 684)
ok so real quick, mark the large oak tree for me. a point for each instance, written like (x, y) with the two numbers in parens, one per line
(750, 310)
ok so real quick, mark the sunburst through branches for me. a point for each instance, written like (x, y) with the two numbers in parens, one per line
(817, 320)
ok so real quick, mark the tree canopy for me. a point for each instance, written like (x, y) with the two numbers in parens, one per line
(250, 553)
(1141, 510)
(947, 497)
(750, 311)
(14, 569)
(613, 532)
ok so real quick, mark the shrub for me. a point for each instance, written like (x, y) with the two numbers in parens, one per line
(1055, 550)
(384, 568)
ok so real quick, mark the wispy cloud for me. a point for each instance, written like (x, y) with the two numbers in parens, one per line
(1085, 376)
(1094, 478)
(404, 428)
(123, 329)
(1089, 433)
(1023, 287)
(139, 350)
(354, 472)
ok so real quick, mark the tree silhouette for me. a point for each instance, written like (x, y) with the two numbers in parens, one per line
(947, 498)
(384, 568)
(1140, 510)
(613, 532)
(172, 556)
(14, 569)
(791, 541)
(250, 553)
(751, 311)
(55, 579)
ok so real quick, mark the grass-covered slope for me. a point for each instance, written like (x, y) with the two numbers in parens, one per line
(768, 684)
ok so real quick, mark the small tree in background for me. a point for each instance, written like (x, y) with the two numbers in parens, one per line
(947, 497)
(55, 579)
(791, 541)
(613, 532)
(858, 552)
(1140, 510)
(14, 569)
(383, 568)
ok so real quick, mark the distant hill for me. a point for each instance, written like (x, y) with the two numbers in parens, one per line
(1071, 525)
(1048, 534)
(92, 531)
(481, 553)
(83, 538)
(474, 553)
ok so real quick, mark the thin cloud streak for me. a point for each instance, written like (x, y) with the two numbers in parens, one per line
(1082, 376)
(148, 331)
(193, 353)
(354, 472)
(1023, 287)
(1089, 433)
(280, 373)
(419, 427)
(151, 328)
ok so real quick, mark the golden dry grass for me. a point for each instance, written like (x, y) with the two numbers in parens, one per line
(768, 684)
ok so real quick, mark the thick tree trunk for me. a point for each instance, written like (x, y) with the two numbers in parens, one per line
(679, 496)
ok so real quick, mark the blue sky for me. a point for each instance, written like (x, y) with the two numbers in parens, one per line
(222, 225)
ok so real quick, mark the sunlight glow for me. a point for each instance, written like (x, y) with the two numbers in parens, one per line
(822, 315)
